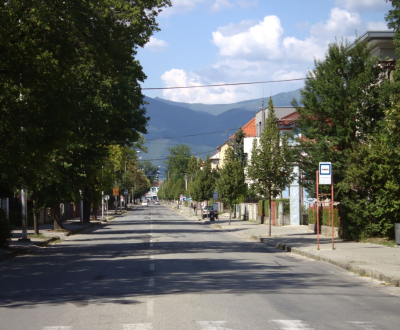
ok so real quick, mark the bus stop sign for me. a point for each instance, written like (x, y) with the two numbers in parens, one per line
(325, 173)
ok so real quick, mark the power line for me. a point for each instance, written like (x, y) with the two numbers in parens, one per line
(172, 137)
(201, 153)
(221, 85)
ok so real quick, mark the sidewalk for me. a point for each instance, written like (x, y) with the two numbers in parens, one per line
(47, 236)
(376, 261)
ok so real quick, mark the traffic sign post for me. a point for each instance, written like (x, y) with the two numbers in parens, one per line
(325, 177)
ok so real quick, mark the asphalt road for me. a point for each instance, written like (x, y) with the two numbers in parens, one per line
(154, 269)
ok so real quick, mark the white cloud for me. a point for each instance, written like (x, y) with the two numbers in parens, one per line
(220, 5)
(176, 77)
(156, 44)
(377, 26)
(257, 42)
(181, 6)
(260, 51)
(185, 6)
(247, 3)
(340, 23)
(231, 70)
(365, 5)
(304, 50)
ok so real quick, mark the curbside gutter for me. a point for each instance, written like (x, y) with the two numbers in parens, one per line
(344, 265)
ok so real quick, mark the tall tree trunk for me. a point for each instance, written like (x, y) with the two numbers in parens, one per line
(269, 215)
(87, 201)
(35, 216)
(57, 215)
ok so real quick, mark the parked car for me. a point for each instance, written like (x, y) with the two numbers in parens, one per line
(144, 203)
(156, 203)
(207, 210)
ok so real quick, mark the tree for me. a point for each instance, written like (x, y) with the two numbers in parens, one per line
(67, 70)
(150, 170)
(203, 186)
(178, 160)
(271, 163)
(238, 145)
(231, 182)
(344, 99)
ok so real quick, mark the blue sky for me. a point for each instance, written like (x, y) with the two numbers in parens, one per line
(229, 41)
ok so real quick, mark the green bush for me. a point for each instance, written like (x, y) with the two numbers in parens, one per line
(312, 215)
(327, 217)
(260, 207)
(324, 216)
(286, 205)
(5, 230)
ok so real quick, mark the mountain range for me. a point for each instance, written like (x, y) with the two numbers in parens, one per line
(203, 127)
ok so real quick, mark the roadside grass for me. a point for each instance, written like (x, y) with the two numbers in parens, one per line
(381, 241)
(57, 241)
(37, 236)
(256, 238)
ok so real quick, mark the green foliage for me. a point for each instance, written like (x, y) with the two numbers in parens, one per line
(261, 207)
(203, 185)
(238, 145)
(324, 215)
(5, 230)
(178, 160)
(371, 189)
(231, 182)
(150, 171)
(286, 205)
(67, 72)
(271, 164)
(344, 99)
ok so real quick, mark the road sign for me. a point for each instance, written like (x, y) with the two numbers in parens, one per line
(115, 191)
(325, 173)
(126, 192)
(106, 197)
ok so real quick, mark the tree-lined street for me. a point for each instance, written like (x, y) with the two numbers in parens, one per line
(155, 269)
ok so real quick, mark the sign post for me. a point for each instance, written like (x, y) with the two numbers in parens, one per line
(115, 194)
(325, 177)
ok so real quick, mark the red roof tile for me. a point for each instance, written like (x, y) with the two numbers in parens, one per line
(249, 129)
(289, 119)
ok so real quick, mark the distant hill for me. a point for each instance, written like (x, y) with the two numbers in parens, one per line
(280, 100)
(202, 127)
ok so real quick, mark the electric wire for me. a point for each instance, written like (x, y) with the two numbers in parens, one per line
(226, 84)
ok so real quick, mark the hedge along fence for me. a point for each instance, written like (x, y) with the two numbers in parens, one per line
(325, 215)
(263, 206)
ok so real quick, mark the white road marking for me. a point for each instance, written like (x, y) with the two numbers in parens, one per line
(150, 307)
(151, 257)
(139, 326)
(365, 325)
(291, 324)
(151, 281)
(57, 328)
(151, 266)
(213, 325)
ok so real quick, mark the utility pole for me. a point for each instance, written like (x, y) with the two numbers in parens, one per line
(102, 195)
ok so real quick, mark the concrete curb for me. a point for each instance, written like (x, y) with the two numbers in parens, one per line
(14, 252)
(344, 265)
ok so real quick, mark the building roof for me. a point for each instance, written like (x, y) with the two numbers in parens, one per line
(249, 129)
(215, 156)
(279, 111)
(289, 119)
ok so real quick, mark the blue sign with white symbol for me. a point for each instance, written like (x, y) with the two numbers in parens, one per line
(325, 173)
